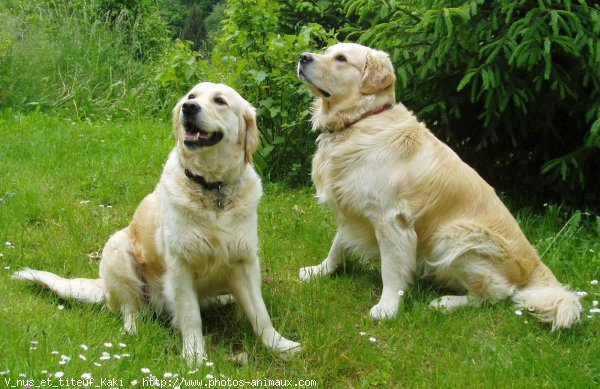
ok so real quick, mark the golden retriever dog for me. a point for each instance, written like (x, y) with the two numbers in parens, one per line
(401, 195)
(195, 236)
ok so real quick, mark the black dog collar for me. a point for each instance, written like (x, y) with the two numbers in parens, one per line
(212, 186)
(217, 185)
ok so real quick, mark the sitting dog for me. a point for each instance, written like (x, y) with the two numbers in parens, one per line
(402, 195)
(195, 236)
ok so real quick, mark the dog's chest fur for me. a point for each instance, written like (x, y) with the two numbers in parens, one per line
(200, 232)
(363, 173)
(357, 169)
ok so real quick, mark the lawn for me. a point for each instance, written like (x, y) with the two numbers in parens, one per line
(66, 186)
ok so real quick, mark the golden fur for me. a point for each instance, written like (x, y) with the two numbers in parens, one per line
(402, 195)
(187, 244)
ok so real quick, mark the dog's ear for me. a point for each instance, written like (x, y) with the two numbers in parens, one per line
(378, 73)
(251, 137)
(175, 118)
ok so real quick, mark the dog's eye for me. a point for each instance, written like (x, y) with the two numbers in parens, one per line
(191, 96)
(340, 58)
(220, 101)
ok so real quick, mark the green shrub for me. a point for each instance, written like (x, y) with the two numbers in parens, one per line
(513, 86)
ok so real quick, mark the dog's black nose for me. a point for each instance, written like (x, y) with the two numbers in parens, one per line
(306, 58)
(190, 107)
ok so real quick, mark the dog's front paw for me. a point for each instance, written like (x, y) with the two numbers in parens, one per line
(194, 358)
(310, 272)
(193, 351)
(384, 310)
(286, 348)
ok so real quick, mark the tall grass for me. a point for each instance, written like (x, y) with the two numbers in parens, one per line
(71, 60)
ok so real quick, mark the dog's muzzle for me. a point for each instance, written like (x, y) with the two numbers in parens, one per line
(195, 136)
(305, 60)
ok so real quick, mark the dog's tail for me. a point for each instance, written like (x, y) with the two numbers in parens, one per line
(85, 290)
(548, 299)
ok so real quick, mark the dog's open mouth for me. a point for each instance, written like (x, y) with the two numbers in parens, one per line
(196, 137)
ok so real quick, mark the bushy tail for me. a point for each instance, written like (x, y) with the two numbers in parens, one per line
(549, 300)
(82, 289)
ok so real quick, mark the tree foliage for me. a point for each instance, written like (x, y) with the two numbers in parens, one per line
(193, 28)
(514, 86)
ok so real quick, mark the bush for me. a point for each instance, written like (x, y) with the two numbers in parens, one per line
(513, 86)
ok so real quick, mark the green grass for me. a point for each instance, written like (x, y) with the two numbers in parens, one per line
(56, 183)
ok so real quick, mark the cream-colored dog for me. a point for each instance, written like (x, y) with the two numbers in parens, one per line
(402, 195)
(195, 236)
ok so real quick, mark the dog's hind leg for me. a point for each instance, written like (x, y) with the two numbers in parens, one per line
(451, 303)
(217, 301)
(125, 289)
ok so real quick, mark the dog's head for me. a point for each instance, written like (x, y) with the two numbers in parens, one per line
(348, 80)
(214, 117)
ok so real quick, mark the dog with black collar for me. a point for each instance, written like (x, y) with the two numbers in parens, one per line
(193, 241)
